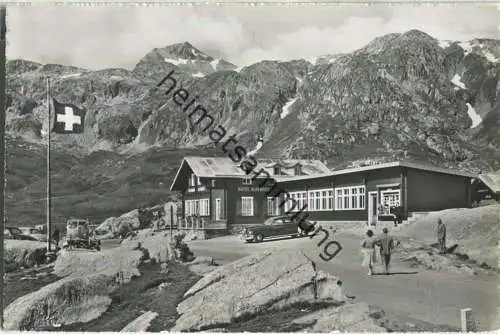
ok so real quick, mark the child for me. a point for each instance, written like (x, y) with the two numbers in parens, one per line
(368, 250)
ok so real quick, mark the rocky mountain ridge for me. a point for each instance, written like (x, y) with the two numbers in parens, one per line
(401, 96)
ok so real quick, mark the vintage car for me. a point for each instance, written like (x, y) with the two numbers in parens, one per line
(80, 235)
(279, 226)
(16, 233)
(35, 233)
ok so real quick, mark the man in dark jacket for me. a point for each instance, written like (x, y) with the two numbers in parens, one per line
(56, 236)
(386, 243)
(398, 215)
(441, 236)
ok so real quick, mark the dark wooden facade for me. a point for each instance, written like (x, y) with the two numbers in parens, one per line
(414, 190)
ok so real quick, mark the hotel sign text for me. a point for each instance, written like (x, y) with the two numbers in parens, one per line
(261, 189)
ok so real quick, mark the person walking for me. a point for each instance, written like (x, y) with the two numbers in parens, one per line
(441, 236)
(386, 243)
(368, 250)
(56, 236)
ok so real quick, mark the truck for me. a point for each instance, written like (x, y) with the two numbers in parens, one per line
(79, 234)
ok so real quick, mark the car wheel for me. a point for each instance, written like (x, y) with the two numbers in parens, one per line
(258, 237)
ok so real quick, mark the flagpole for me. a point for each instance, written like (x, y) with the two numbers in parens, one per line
(48, 167)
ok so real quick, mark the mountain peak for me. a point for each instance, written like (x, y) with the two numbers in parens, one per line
(185, 50)
(416, 33)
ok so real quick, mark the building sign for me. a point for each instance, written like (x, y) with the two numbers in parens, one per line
(256, 189)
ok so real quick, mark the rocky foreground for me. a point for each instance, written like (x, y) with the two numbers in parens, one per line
(267, 282)
(93, 285)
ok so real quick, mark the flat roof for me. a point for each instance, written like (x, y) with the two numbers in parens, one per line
(407, 164)
(492, 181)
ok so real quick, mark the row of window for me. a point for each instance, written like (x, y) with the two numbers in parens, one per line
(197, 207)
(347, 198)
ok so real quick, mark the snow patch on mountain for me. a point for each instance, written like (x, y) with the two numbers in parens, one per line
(198, 75)
(257, 147)
(490, 57)
(444, 44)
(474, 116)
(466, 46)
(457, 81)
(215, 63)
(286, 108)
(72, 75)
(176, 62)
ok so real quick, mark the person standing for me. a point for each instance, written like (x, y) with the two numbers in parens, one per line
(368, 250)
(386, 243)
(441, 236)
(56, 236)
(395, 215)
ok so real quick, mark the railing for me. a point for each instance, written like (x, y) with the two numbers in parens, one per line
(200, 223)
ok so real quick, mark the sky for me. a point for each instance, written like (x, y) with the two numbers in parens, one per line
(97, 37)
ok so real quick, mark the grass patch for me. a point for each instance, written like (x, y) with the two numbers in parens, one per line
(276, 321)
(96, 186)
(15, 286)
(142, 294)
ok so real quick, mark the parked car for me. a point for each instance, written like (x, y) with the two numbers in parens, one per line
(16, 234)
(35, 233)
(278, 226)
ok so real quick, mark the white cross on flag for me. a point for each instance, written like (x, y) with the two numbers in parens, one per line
(68, 118)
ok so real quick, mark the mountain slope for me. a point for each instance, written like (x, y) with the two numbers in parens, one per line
(401, 96)
(97, 186)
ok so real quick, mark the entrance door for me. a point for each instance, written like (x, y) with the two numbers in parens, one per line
(218, 209)
(372, 207)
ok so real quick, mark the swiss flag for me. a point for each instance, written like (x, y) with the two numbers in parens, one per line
(68, 118)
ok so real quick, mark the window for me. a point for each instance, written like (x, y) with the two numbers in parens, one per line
(192, 180)
(192, 207)
(278, 222)
(191, 183)
(299, 198)
(196, 207)
(247, 206)
(388, 200)
(218, 209)
(277, 170)
(204, 207)
(312, 201)
(247, 181)
(319, 200)
(273, 206)
(350, 198)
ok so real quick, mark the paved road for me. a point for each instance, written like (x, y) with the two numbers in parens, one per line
(416, 293)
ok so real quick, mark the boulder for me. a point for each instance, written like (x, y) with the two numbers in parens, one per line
(141, 323)
(202, 265)
(271, 280)
(69, 300)
(350, 317)
(24, 253)
(118, 224)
